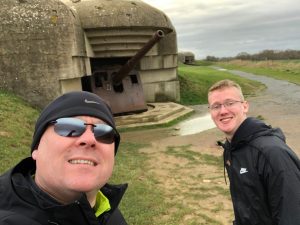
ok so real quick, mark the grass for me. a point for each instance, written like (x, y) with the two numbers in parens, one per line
(194, 157)
(145, 203)
(186, 169)
(196, 80)
(17, 121)
(142, 199)
(279, 69)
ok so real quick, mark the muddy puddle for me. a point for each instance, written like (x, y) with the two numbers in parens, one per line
(195, 125)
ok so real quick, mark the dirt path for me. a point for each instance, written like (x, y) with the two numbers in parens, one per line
(177, 160)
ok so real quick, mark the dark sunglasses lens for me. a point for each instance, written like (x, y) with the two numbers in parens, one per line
(69, 127)
(104, 133)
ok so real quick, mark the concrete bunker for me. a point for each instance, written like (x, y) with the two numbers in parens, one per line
(186, 57)
(49, 47)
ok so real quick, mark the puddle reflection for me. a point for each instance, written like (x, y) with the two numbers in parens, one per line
(195, 125)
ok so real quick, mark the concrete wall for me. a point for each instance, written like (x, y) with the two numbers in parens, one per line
(38, 41)
(162, 91)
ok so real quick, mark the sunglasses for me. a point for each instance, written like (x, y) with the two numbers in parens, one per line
(74, 127)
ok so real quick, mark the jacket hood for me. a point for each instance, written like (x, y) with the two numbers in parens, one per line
(252, 128)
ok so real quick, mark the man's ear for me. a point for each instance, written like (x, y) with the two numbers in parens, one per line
(246, 107)
(34, 154)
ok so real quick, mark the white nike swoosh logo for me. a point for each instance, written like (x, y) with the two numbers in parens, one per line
(90, 102)
(243, 170)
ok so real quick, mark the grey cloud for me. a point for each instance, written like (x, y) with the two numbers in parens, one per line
(227, 29)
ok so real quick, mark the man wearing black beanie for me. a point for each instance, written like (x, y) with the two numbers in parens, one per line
(65, 181)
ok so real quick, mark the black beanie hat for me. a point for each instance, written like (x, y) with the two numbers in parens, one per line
(77, 103)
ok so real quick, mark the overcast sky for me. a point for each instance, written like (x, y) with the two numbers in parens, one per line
(227, 27)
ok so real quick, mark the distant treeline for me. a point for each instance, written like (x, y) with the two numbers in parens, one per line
(264, 55)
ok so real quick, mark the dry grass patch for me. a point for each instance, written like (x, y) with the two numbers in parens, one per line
(193, 183)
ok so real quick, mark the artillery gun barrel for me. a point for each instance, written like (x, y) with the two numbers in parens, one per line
(130, 64)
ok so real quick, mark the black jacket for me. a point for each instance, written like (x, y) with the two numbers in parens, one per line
(264, 176)
(23, 203)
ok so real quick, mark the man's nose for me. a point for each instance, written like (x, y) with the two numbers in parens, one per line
(88, 137)
(223, 108)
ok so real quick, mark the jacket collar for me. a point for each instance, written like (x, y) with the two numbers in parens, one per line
(27, 189)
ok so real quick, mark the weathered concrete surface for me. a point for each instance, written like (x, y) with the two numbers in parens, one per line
(157, 114)
(37, 41)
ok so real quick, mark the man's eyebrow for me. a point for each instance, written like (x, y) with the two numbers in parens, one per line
(83, 116)
(226, 100)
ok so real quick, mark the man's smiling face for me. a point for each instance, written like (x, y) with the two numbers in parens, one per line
(228, 119)
(68, 166)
